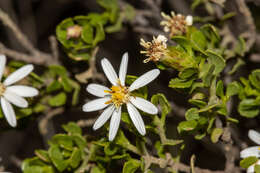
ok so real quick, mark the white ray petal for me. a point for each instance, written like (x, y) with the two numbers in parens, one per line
(144, 79)
(251, 169)
(114, 124)
(123, 69)
(23, 91)
(109, 71)
(254, 136)
(2, 65)
(15, 99)
(96, 104)
(102, 119)
(97, 90)
(250, 151)
(144, 105)
(8, 112)
(18, 74)
(136, 118)
(189, 20)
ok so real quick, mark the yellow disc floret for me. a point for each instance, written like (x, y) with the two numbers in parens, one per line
(2, 89)
(119, 95)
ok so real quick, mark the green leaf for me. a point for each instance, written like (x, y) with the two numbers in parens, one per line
(79, 56)
(58, 70)
(80, 141)
(96, 169)
(198, 103)
(245, 163)
(65, 81)
(131, 166)
(75, 158)
(100, 34)
(124, 142)
(63, 141)
(216, 133)
(200, 136)
(232, 89)
(254, 78)
(249, 108)
(233, 120)
(187, 125)
(108, 4)
(192, 114)
(61, 32)
(43, 155)
(54, 86)
(184, 43)
(217, 60)
(240, 48)
(172, 142)
(187, 73)
(87, 33)
(110, 149)
(116, 27)
(196, 3)
(57, 158)
(207, 74)
(38, 108)
(180, 83)
(160, 149)
(58, 100)
(211, 33)
(160, 99)
(238, 64)
(129, 12)
(257, 168)
(198, 41)
(72, 128)
(220, 89)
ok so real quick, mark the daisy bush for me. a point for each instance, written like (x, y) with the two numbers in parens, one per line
(130, 87)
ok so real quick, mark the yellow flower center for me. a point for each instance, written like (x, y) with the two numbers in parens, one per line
(119, 95)
(2, 89)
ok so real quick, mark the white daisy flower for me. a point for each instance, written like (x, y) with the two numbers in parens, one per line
(14, 93)
(252, 151)
(112, 99)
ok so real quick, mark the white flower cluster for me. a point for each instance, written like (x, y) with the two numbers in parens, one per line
(118, 95)
(252, 151)
(14, 94)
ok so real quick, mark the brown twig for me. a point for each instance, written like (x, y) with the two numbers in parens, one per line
(54, 47)
(92, 70)
(35, 56)
(44, 123)
(169, 163)
(86, 123)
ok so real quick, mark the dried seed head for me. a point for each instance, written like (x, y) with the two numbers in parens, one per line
(156, 49)
(176, 24)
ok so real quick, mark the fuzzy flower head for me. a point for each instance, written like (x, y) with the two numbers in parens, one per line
(74, 32)
(252, 151)
(176, 24)
(156, 49)
(113, 98)
(14, 94)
